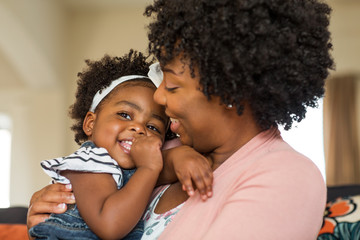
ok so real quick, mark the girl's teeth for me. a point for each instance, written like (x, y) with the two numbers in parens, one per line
(128, 142)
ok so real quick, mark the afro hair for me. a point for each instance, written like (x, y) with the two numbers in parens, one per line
(272, 54)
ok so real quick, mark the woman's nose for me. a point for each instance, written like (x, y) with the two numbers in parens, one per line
(159, 96)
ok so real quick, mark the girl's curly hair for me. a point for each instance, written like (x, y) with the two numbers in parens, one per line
(272, 54)
(98, 75)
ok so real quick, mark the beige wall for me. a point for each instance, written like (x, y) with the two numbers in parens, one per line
(91, 34)
(38, 123)
(43, 45)
(38, 85)
(345, 28)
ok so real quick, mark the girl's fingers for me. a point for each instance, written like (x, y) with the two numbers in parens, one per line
(208, 181)
(200, 185)
(203, 181)
(190, 190)
(187, 185)
(189, 181)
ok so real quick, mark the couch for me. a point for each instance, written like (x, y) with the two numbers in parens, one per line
(13, 223)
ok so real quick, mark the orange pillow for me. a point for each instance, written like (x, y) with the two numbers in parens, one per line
(13, 232)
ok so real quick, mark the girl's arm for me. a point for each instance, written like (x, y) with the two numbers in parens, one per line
(183, 163)
(112, 213)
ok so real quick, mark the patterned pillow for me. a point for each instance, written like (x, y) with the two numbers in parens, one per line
(341, 219)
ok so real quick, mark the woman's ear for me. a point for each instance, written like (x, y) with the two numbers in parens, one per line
(88, 123)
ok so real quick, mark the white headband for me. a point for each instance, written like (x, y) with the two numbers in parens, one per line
(155, 75)
(101, 94)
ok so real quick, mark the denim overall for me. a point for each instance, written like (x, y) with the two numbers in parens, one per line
(70, 225)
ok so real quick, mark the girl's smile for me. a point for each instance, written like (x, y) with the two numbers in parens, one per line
(126, 145)
(127, 112)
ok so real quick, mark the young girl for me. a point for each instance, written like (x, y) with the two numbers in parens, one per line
(120, 128)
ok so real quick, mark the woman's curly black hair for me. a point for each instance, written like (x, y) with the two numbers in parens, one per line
(97, 76)
(272, 54)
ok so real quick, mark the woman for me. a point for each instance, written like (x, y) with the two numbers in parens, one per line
(232, 72)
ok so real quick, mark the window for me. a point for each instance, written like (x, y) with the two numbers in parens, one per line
(5, 149)
(306, 137)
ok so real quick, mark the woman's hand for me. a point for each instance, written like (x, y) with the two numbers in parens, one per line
(50, 199)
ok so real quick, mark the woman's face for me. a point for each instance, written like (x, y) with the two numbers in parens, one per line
(198, 120)
(128, 111)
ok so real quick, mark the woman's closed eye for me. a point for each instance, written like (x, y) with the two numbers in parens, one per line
(170, 89)
(170, 86)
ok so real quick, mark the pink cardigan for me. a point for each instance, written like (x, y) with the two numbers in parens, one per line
(266, 190)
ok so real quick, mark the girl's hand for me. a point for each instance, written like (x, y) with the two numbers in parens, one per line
(50, 199)
(146, 152)
(192, 168)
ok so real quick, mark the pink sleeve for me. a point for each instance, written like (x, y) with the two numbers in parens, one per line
(276, 202)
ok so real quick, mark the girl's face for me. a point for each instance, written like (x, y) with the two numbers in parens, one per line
(198, 120)
(128, 111)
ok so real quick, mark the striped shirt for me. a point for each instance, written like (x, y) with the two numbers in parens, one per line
(88, 158)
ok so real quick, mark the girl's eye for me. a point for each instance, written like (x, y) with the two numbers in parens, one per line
(153, 128)
(124, 115)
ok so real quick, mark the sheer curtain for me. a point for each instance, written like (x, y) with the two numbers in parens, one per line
(341, 130)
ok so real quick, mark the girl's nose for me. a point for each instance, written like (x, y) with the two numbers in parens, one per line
(138, 128)
(159, 96)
